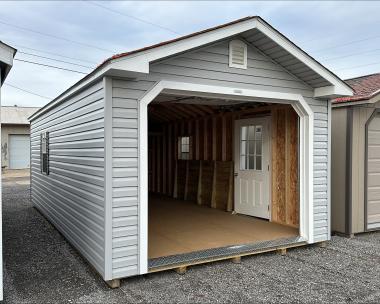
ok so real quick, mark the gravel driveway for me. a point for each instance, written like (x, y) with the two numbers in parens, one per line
(40, 266)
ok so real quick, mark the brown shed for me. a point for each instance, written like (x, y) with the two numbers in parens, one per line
(356, 158)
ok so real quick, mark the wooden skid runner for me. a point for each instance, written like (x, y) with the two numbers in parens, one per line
(181, 267)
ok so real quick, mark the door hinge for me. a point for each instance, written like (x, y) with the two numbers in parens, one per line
(268, 167)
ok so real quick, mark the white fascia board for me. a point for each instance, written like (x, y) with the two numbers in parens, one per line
(142, 59)
(105, 71)
(339, 85)
(331, 92)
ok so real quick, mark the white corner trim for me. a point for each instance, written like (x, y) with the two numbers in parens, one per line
(306, 148)
(107, 87)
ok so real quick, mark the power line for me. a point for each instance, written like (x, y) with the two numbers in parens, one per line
(51, 53)
(348, 43)
(26, 91)
(50, 66)
(132, 17)
(350, 55)
(49, 58)
(56, 37)
(357, 66)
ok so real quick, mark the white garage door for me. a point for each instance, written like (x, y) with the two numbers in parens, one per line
(19, 154)
(373, 178)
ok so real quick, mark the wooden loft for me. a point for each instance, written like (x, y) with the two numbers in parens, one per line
(207, 177)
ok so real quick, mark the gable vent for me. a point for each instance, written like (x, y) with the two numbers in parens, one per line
(238, 54)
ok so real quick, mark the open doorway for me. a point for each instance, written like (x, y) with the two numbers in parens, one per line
(221, 174)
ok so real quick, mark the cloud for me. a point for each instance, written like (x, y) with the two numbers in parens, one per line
(316, 26)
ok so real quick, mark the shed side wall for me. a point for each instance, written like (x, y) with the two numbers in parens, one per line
(72, 195)
(208, 65)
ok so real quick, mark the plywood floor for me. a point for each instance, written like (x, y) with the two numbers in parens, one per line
(177, 227)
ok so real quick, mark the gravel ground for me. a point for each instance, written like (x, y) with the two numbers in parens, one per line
(40, 266)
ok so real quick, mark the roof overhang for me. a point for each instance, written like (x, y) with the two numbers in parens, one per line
(7, 54)
(373, 99)
(138, 62)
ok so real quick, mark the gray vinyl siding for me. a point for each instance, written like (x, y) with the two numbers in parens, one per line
(125, 96)
(72, 195)
(208, 65)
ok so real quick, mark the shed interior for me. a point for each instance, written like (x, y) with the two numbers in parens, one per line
(191, 175)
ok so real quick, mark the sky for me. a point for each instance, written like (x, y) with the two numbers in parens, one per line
(344, 36)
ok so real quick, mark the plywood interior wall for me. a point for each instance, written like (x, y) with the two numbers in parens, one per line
(206, 177)
(285, 192)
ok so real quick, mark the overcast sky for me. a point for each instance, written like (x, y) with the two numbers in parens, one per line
(344, 36)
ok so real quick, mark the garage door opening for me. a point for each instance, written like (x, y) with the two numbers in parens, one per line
(222, 175)
(19, 151)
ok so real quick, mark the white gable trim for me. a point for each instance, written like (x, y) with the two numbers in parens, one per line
(306, 148)
(139, 62)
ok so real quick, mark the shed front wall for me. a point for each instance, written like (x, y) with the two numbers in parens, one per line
(208, 65)
(72, 195)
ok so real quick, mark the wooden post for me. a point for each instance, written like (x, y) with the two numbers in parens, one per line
(181, 270)
(197, 141)
(205, 139)
(281, 251)
(186, 191)
(236, 260)
(113, 283)
(224, 138)
(230, 188)
(322, 244)
(199, 194)
(214, 139)
(164, 159)
(213, 193)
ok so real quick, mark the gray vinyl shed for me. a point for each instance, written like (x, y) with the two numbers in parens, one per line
(356, 158)
(172, 119)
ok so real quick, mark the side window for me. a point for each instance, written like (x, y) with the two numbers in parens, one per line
(184, 147)
(44, 158)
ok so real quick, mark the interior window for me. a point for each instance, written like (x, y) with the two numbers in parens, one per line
(44, 159)
(184, 147)
(251, 148)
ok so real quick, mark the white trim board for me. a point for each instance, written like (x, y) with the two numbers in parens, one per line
(306, 147)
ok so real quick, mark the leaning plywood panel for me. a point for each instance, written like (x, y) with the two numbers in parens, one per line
(71, 196)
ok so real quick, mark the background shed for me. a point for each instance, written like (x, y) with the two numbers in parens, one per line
(356, 158)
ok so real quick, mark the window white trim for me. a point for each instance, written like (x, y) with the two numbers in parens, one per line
(306, 148)
(233, 45)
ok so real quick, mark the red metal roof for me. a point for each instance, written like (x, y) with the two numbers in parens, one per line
(365, 87)
(176, 39)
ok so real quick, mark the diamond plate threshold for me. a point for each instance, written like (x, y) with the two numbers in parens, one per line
(221, 253)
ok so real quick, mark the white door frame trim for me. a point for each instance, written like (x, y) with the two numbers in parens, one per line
(183, 88)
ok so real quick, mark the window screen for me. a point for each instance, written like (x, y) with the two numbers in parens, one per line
(251, 146)
(44, 159)
(184, 147)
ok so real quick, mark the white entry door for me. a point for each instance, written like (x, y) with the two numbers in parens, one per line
(252, 161)
(19, 151)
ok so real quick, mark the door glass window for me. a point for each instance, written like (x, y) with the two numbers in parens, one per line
(251, 148)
